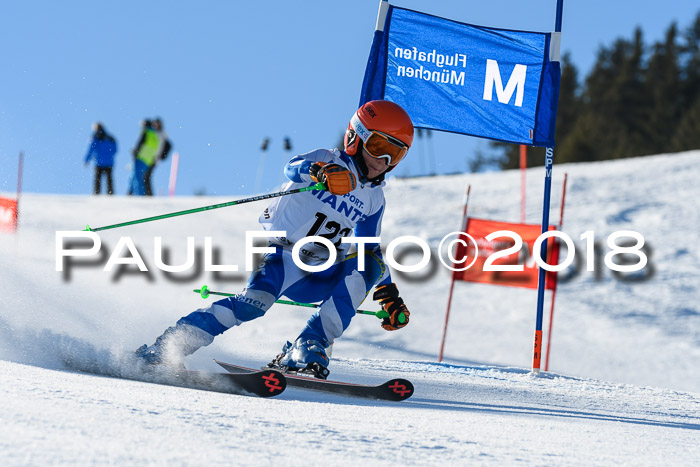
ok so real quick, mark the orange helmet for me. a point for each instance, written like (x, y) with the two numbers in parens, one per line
(383, 128)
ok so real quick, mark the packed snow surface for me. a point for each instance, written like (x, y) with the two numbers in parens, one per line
(623, 384)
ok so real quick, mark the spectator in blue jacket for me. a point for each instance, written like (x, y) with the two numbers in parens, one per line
(102, 148)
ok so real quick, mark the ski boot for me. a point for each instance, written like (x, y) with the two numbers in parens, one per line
(171, 348)
(304, 357)
(161, 352)
(153, 355)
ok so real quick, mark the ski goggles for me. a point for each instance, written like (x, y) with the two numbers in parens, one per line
(378, 144)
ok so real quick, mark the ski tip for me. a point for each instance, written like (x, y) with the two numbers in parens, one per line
(399, 389)
(274, 383)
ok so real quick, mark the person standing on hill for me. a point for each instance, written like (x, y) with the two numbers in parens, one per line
(153, 145)
(103, 148)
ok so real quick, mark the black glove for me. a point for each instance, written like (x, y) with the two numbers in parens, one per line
(338, 179)
(388, 297)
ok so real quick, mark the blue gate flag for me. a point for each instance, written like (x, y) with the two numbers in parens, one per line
(450, 76)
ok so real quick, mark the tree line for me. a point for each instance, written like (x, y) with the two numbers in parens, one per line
(637, 100)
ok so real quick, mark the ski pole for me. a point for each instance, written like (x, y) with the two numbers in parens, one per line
(317, 186)
(204, 292)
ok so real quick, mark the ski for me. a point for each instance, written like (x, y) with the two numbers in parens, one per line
(396, 389)
(263, 383)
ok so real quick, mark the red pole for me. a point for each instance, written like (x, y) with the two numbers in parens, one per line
(452, 283)
(19, 187)
(523, 167)
(554, 289)
(447, 317)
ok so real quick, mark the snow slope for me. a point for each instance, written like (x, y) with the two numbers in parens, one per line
(624, 385)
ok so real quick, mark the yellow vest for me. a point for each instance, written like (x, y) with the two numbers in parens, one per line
(150, 148)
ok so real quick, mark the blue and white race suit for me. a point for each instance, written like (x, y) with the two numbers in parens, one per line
(341, 288)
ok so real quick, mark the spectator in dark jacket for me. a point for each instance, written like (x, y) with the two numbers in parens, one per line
(103, 148)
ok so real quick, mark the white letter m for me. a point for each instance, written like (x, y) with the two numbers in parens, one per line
(516, 81)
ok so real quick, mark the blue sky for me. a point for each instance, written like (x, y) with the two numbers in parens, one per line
(223, 75)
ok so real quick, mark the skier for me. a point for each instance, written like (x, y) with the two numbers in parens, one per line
(377, 139)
